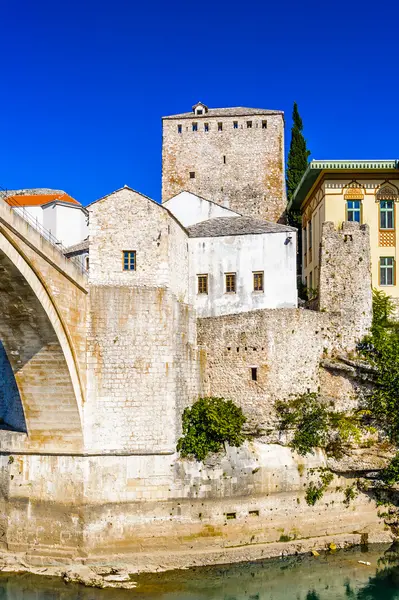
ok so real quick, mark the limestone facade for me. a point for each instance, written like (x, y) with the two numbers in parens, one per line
(233, 156)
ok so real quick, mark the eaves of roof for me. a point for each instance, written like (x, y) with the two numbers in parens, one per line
(319, 167)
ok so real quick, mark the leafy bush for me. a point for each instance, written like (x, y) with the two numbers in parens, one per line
(315, 426)
(381, 349)
(313, 494)
(208, 424)
(390, 475)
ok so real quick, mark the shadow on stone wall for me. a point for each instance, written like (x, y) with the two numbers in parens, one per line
(11, 410)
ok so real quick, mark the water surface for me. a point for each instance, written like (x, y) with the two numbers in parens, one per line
(337, 576)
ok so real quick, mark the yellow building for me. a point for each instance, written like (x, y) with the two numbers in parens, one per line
(366, 191)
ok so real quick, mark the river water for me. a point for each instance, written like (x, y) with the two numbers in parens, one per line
(327, 577)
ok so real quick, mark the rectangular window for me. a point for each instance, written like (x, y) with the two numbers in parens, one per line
(192, 174)
(220, 126)
(254, 373)
(310, 234)
(129, 260)
(202, 284)
(235, 124)
(258, 281)
(387, 214)
(195, 126)
(264, 124)
(224, 159)
(353, 210)
(387, 271)
(179, 129)
(305, 239)
(311, 280)
(206, 126)
(249, 124)
(230, 283)
(199, 111)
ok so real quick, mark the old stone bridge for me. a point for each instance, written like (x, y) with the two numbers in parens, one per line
(42, 341)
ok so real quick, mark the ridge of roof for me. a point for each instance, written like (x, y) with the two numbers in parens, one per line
(126, 187)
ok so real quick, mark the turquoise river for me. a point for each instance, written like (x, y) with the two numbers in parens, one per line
(331, 576)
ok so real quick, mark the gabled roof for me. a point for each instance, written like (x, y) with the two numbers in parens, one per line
(317, 167)
(37, 197)
(236, 111)
(225, 226)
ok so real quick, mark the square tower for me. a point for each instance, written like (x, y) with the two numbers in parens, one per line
(233, 156)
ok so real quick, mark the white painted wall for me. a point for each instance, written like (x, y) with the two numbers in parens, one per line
(67, 223)
(35, 212)
(189, 209)
(243, 254)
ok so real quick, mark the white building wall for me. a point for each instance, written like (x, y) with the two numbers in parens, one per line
(243, 255)
(190, 209)
(34, 212)
(67, 223)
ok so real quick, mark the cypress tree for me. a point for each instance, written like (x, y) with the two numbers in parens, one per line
(298, 154)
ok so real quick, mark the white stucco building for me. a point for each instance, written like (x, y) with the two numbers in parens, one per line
(52, 212)
(224, 263)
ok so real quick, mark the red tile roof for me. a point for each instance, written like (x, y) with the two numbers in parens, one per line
(38, 199)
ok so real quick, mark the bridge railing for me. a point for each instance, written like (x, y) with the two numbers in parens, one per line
(46, 233)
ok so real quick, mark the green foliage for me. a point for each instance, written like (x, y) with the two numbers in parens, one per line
(350, 494)
(313, 493)
(298, 155)
(314, 425)
(390, 475)
(381, 349)
(208, 424)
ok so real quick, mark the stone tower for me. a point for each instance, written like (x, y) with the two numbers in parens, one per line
(233, 156)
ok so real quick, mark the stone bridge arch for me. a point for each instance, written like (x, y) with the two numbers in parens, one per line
(38, 346)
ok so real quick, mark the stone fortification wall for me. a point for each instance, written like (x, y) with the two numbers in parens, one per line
(345, 275)
(241, 168)
(142, 358)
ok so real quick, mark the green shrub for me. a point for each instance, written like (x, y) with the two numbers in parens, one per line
(315, 426)
(390, 475)
(208, 424)
(313, 493)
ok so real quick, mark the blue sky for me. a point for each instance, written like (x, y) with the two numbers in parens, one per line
(84, 84)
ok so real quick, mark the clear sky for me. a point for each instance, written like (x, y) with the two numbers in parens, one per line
(84, 84)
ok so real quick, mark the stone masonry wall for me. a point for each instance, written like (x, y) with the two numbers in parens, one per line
(241, 168)
(142, 358)
(345, 275)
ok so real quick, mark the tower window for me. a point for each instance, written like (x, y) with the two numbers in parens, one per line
(195, 126)
(192, 174)
(202, 284)
(254, 373)
(264, 124)
(235, 124)
(230, 283)
(206, 126)
(220, 126)
(249, 124)
(224, 159)
(129, 260)
(179, 129)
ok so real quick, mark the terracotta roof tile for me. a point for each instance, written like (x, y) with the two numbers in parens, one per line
(38, 199)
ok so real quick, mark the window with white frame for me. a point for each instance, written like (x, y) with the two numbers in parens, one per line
(387, 270)
(387, 214)
(353, 210)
